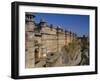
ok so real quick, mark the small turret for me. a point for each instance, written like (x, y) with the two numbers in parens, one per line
(51, 26)
(42, 23)
(29, 21)
(29, 17)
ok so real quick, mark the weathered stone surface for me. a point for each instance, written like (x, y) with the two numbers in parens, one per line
(39, 44)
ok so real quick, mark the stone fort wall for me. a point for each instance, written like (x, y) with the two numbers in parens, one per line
(44, 39)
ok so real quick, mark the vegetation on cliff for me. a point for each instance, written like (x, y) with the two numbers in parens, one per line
(72, 48)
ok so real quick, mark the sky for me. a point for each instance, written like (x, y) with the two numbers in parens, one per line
(78, 24)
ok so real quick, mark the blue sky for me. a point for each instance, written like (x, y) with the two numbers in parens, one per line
(75, 23)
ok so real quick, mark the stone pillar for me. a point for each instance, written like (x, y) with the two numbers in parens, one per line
(66, 37)
(57, 39)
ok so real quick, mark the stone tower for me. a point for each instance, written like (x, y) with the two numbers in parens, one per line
(29, 38)
(29, 20)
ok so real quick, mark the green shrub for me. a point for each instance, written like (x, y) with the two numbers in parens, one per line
(72, 47)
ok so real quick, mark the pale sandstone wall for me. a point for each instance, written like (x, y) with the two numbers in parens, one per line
(48, 41)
